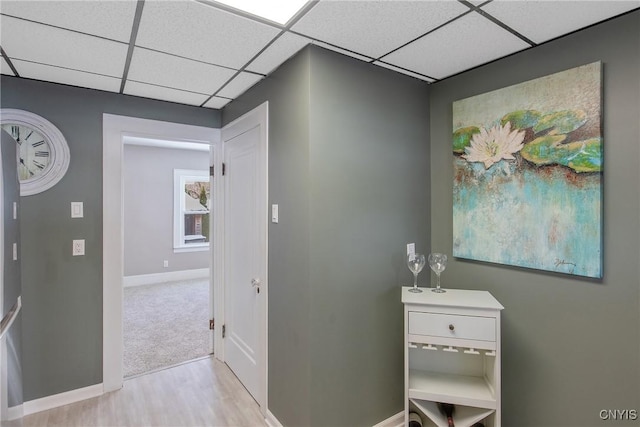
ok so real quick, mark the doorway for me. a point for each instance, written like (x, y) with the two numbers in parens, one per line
(166, 214)
(115, 128)
(241, 344)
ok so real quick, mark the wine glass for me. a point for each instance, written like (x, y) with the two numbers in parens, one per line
(438, 262)
(415, 263)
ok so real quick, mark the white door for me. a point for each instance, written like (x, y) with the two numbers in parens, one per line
(245, 250)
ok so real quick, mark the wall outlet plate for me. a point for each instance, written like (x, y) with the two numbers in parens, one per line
(78, 247)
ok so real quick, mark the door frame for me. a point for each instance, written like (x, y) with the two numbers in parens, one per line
(258, 117)
(114, 129)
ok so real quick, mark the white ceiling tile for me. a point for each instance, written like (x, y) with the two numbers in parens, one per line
(217, 102)
(342, 51)
(167, 70)
(66, 76)
(400, 70)
(62, 48)
(4, 68)
(465, 43)
(544, 20)
(201, 32)
(164, 93)
(374, 28)
(110, 19)
(239, 84)
(282, 49)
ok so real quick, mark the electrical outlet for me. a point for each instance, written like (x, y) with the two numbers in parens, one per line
(78, 247)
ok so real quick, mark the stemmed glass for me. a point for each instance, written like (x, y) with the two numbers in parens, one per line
(415, 263)
(438, 262)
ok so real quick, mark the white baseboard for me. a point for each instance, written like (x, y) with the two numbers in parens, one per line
(271, 420)
(170, 276)
(61, 399)
(15, 412)
(396, 420)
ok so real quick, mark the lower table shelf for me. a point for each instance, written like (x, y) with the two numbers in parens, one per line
(448, 388)
(465, 416)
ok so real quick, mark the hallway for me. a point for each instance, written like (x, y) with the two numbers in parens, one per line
(200, 393)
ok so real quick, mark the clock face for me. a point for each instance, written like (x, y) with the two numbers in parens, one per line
(34, 150)
(43, 153)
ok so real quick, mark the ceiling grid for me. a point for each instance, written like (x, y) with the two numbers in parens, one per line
(206, 53)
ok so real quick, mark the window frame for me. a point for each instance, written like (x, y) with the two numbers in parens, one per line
(180, 177)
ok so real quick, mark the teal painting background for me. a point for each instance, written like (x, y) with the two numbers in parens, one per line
(517, 213)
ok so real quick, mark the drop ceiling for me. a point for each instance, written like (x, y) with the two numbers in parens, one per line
(205, 53)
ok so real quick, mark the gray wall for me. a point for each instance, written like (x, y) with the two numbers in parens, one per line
(570, 344)
(62, 294)
(287, 91)
(348, 166)
(369, 188)
(148, 209)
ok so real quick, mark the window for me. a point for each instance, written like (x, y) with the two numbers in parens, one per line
(192, 199)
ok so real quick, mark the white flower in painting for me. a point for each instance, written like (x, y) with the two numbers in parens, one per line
(491, 146)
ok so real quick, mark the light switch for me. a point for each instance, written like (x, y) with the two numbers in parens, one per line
(15, 251)
(274, 214)
(77, 209)
(411, 250)
(15, 210)
(78, 247)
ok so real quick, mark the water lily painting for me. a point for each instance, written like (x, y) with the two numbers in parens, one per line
(528, 171)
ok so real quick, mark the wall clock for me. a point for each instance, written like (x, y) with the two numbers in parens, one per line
(43, 153)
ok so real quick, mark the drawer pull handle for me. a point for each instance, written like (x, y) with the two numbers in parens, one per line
(451, 327)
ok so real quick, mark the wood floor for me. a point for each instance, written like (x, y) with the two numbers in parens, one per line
(200, 393)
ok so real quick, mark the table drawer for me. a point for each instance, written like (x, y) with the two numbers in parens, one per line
(452, 326)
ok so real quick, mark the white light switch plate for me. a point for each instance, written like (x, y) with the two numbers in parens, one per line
(411, 250)
(77, 210)
(274, 214)
(78, 247)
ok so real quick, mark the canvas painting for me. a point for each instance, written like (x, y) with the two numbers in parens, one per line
(528, 165)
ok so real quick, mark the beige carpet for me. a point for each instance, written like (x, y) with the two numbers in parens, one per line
(165, 324)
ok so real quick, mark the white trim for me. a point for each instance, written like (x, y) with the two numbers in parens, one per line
(114, 129)
(170, 276)
(61, 399)
(396, 420)
(161, 143)
(15, 412)
(271, 420)
(195, 247)
(180, 177)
